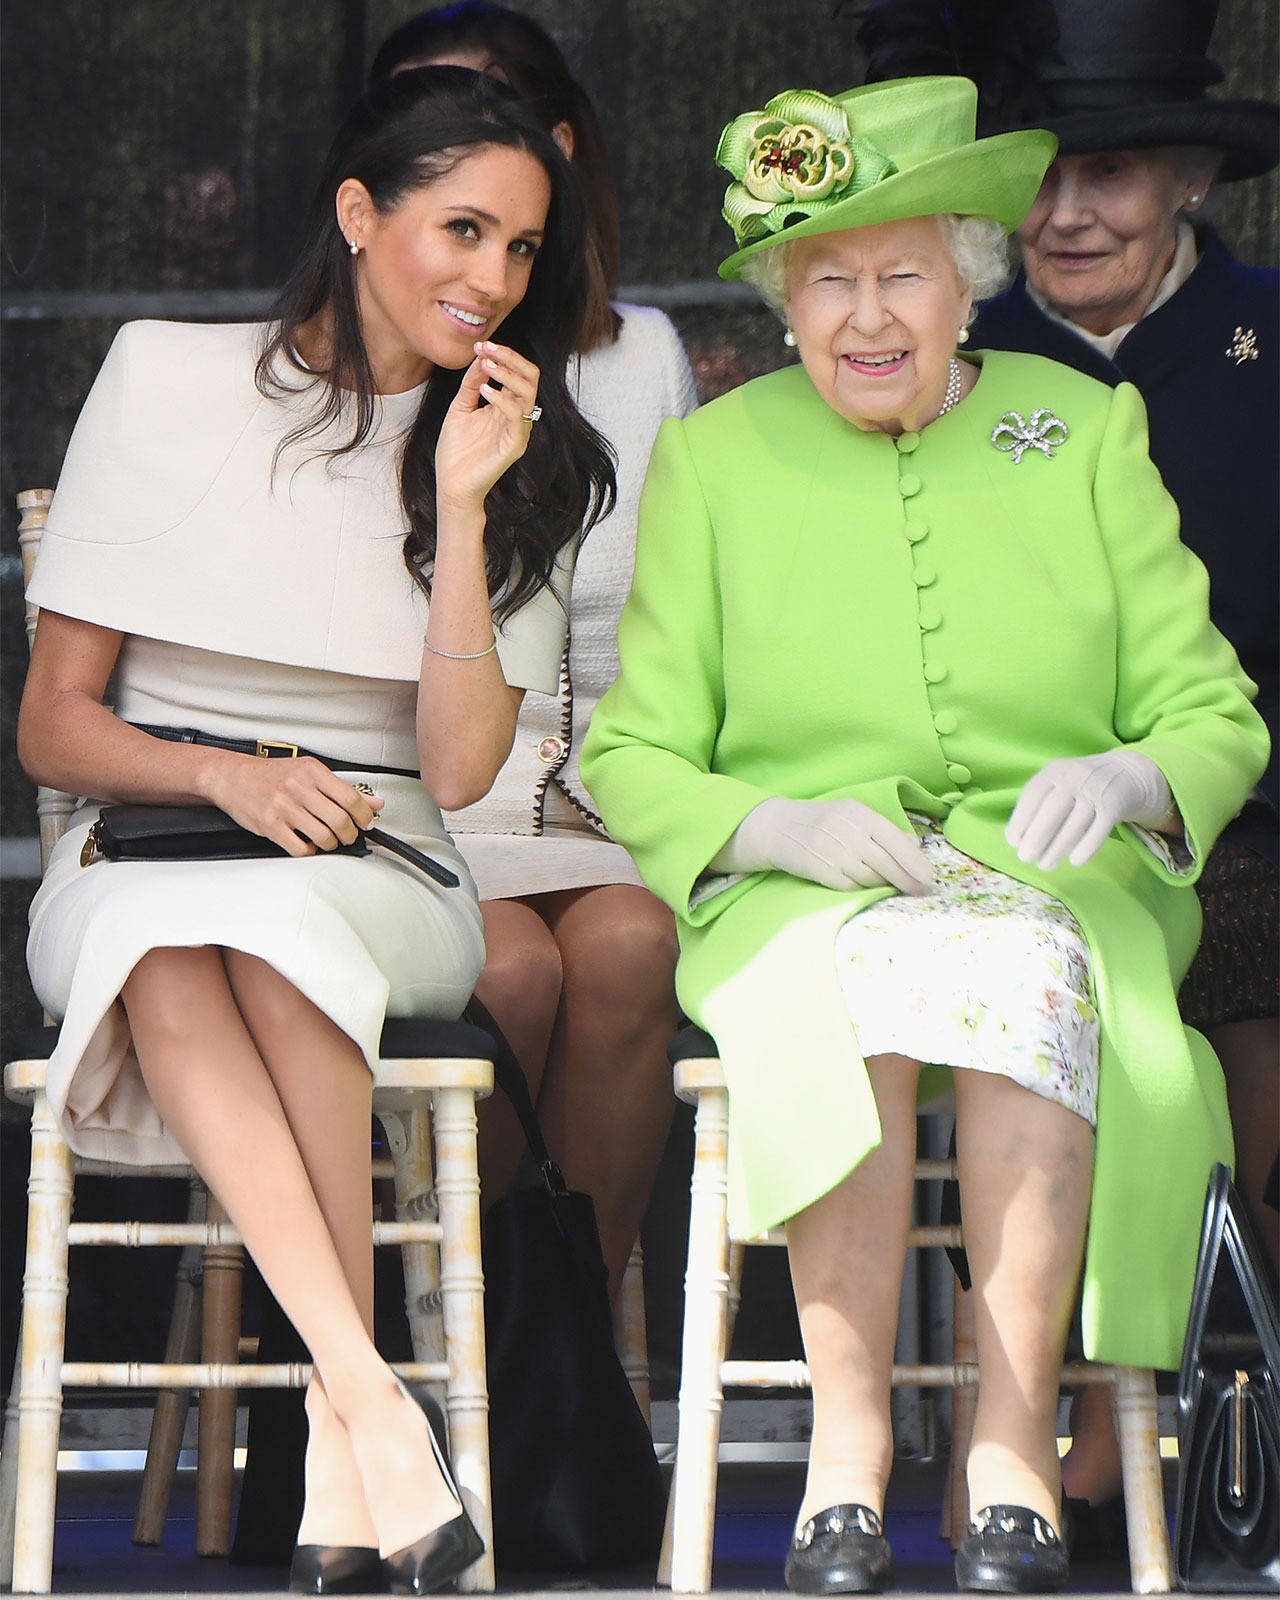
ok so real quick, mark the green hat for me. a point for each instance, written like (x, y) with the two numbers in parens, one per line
(808, 164)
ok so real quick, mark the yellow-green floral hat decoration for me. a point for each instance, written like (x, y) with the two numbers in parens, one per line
(798, 153)
(808, 163)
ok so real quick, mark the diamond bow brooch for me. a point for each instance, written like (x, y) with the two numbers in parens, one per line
(1043, 432)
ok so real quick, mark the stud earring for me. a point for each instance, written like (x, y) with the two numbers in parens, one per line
(789, 339)
(354, 246)
(1193, 199)
(963, 336)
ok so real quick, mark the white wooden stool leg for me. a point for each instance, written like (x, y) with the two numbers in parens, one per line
(215, 1461)
(462, 1298)
(702, 1352)
(44, 1325)
(169, 1416)
(629, 1333)
(9, 1467)
(409, 1140)
(1137, 1430)
(964, 1402)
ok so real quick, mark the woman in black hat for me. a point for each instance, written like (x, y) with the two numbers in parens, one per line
(1124, 280)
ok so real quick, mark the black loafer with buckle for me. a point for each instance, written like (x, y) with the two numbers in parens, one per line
(1011, 1550)
(842, 1550)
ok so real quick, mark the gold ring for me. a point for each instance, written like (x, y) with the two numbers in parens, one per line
(532, 416)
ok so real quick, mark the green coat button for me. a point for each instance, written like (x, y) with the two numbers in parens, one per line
(930, 618)
(915, 530)
(945, 722)
(958, 772)
(924, 575)
(908, 484)
(907, 442)
(935, 671)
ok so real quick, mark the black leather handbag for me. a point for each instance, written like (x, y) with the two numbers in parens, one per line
(205, 833)
(576, 1483)
(1228, 1522)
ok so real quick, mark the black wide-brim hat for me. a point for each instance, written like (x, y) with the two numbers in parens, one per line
(1100, 74)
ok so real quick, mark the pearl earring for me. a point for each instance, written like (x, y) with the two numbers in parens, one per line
(963, 336)
(1194, 199)
(789, 339)
(355, 247)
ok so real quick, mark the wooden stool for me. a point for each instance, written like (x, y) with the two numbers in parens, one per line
(712, 1287)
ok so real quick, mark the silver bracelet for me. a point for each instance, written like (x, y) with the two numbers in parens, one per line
(453, 655)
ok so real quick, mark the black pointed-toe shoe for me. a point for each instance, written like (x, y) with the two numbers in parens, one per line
(434, 1560)
(842, 1550)
(1011, 1550)
(336, 1569)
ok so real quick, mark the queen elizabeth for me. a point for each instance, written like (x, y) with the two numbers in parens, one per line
(923, 732)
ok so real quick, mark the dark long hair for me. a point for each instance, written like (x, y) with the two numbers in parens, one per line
(529, 59)
(401, 136)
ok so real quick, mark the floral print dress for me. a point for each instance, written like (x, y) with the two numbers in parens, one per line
(985, 973)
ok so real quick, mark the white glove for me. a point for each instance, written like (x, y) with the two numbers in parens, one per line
(840, 843)
(1071, 806)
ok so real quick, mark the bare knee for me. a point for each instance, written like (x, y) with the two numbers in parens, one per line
(619, 945)
(165, 982)
(522, 971)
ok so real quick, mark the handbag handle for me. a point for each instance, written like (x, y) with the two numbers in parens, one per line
(1228, 1230)
(510, 1078)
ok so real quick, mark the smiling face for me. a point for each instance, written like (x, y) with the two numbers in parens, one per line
(875, 312)
(445, 266)
(1102, 232)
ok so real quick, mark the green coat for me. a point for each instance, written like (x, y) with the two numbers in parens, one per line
(921, 624)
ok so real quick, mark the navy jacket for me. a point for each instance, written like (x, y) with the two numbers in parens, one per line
(1215, 431)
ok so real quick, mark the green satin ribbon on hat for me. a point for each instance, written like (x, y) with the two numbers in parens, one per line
(791, 161)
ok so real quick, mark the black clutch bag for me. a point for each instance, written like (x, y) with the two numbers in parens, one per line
(1228, 1521)
(204, 833)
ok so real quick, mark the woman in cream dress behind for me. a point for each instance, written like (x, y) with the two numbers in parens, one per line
(249, 526)
(581, 957)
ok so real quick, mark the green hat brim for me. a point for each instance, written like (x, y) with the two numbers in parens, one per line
(997, 177)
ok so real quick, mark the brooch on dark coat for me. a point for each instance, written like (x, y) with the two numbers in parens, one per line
(1244, 347)
(1043, 432)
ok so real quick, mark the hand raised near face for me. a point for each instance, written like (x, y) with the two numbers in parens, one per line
(487, 427)
(298, 803)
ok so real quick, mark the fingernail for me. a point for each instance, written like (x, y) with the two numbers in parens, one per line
(489, 345)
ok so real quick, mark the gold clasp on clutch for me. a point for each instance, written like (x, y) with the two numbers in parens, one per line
(89, 851)
(1237, 1410)
(275, 748)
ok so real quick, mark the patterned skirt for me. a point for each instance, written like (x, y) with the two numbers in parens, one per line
(984, 973)
(1235, 976)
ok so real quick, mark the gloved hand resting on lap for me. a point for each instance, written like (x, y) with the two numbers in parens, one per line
(1070, 806)
(840, 843)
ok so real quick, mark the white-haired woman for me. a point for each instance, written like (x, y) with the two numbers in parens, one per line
(911, 636)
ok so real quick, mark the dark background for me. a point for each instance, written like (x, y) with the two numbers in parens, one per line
(158, 157)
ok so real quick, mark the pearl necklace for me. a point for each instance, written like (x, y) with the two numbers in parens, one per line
(952, 395)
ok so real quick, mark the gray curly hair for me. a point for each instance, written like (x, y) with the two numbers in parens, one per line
(977, 246)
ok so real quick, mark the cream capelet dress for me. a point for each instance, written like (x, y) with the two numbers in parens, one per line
(255, 604)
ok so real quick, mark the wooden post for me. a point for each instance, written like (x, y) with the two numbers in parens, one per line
(1138, 1433)
(215, 1461)
(169, 1416)
(409, 1140)
(701, 1400)
(44, 1325)
(462, 1296)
